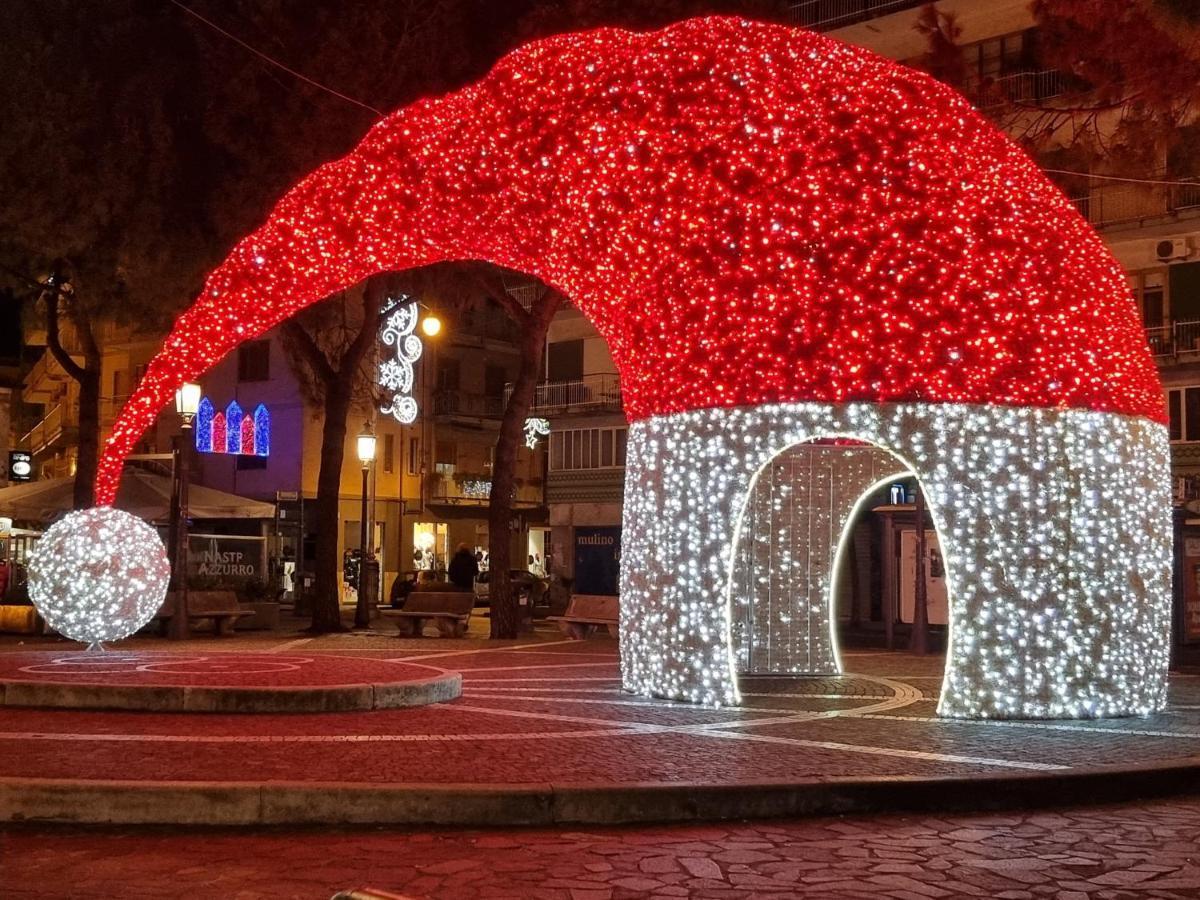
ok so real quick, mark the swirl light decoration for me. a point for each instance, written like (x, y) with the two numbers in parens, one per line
(98, 575)
(782, 238)
(396, 374)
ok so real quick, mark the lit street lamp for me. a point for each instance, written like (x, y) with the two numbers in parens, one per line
(187, 403)
(431, 325)
(366, 455)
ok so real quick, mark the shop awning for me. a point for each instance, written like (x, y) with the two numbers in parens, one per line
(142, 493)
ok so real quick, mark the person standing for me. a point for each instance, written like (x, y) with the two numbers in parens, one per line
(463, 569)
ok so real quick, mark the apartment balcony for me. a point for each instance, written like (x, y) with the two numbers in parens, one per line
(1129, 204)
(45, 379)
(823, 15)
(59, 426)
(1175, 342)
(476, 491)
(1018, 87)
(465, 405)
(591, 393)
(473, 326)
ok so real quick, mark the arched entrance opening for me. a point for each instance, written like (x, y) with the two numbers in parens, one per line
(789, 546)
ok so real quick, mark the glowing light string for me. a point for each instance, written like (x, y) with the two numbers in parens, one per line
(780, 236)
(749, 213)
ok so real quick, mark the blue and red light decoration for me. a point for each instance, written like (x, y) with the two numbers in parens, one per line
(233, 431)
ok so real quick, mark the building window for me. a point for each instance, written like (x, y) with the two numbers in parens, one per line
(494, 379)
(1183, 405)
(447, 374)
(254, 361)
(564, 361)
(389, 451)
(414, 456)
(1150, 292)
(588, 448)
(445, 457)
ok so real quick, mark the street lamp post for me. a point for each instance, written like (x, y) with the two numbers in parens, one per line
(187, 402)
(366, 454)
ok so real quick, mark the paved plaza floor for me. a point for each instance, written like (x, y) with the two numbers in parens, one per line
(1096, 853)
(548, 710)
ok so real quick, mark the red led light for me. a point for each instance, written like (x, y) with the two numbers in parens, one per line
(749, 213)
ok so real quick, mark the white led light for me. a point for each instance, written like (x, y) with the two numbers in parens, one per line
(98, 575)
(396, 375)
(535, 428)
(1054, 526)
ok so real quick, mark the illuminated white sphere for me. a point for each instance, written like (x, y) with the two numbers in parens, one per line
(98, 574)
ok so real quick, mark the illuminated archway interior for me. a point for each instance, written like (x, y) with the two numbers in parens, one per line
(787, 544)
(780, 236)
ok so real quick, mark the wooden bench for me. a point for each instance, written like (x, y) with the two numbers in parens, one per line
(449, 610)
(585, 613)
(220, 606)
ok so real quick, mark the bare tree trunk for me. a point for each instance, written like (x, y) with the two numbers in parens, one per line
(89, 438)
(88, 377)
(326, 606)
(338, 387)
(505, 611)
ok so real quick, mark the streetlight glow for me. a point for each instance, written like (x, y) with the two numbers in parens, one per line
(431, 326)
(366, 446)
(187, 401)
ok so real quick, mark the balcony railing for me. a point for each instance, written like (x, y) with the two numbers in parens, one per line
(1175, 339)
(484, 323)
(1018, 87)
(826, 14)
(461, 403)
(58, 422)
(1125, 204)
(590, 393)
(477, 492)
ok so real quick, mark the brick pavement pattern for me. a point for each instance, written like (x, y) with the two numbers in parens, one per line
(1099, 853)
(547, 710)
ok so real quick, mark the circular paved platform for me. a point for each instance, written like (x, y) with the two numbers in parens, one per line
(543, 734)
(208, 682)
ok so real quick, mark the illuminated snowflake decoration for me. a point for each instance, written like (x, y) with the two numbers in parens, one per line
(534, 430)
(98, 575)
(396, 374)
(780, 237)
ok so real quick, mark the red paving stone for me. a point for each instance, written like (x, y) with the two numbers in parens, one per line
(554, 712)
(205, 669)
(1100, 853)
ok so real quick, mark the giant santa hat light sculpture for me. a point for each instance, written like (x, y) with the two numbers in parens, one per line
(782, 238)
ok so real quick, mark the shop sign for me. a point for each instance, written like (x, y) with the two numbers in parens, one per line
(225, 558)
(20, 465)
(597, 560)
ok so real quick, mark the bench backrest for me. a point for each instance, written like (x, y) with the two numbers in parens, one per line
(592, 606)
(212, 601)
(458, 603)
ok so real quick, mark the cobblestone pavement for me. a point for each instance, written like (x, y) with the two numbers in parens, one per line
(1099, 853)
(550, 710)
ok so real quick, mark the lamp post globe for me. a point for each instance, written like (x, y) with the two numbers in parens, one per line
(366, 455)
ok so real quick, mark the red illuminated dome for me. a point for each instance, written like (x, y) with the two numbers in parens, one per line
(749, 213)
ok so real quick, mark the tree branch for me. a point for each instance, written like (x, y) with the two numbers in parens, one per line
(54, 339)
(313, 355)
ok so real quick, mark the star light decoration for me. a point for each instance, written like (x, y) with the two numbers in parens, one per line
(535, 429)
(98, 574)
(396, 374)
(757, 218)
